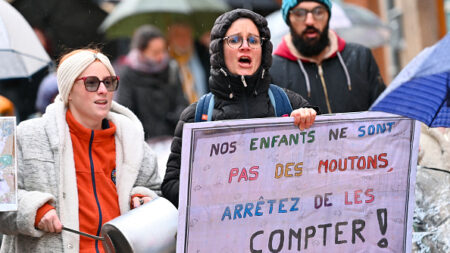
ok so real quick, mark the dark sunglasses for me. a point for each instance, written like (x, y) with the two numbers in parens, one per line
(91, 83)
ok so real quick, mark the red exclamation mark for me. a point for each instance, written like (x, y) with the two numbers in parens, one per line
(382, 222)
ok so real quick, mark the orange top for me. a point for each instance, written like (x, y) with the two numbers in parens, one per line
(95, 165)
(41, 212)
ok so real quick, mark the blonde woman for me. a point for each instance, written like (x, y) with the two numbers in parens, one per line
(82, 164)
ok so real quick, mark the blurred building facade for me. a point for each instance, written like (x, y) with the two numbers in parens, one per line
(415, 24)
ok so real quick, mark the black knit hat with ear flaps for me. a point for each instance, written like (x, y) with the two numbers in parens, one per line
(221, 27)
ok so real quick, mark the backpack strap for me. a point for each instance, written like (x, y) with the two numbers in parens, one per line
(280, 101)
(204, 109)
(278, 98)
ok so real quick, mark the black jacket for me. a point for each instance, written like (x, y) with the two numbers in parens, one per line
(250, 102)
(156, 99)
(365, 80)
(233, 97)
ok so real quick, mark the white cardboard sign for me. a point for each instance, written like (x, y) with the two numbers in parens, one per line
(262, 185)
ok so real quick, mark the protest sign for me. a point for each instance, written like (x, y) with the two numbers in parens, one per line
(8, 172)
(262, 185)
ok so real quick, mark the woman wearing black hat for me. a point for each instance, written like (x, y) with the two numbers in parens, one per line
(241, 55)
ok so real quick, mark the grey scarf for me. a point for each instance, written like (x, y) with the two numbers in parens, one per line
(137, 61)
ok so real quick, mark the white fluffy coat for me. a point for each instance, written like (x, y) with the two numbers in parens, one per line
(46, 173)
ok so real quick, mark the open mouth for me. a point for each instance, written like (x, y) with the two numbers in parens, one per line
(311, 32)
(101, 102)
(245, 60)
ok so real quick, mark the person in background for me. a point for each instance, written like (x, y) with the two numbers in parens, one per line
(201, 45)
(241, 55)
(81, 164)
(48, 87)
(6, 107)
(22, 93)
(150, 85)
(48, 90)
(319, 65)
(181, 48)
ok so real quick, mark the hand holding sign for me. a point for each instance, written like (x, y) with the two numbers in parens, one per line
(304, 117)
(277, 189)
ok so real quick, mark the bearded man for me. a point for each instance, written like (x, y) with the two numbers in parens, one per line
(315, 62)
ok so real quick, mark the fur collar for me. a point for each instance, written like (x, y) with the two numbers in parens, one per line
(129, 131)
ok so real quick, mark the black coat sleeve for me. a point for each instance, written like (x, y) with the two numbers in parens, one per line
(171, 184)
(297, 101)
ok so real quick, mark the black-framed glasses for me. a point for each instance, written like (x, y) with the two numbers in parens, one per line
(300, 13)
(91, 83)
(235, 41)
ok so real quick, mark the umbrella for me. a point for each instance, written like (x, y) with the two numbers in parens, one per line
(21, 52)
(366, 27)
(421, 90)
(254, 4)
(130, 14)
(66, 24)
(351, 22)
(262, 7)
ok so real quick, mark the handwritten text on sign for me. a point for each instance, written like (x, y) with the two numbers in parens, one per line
(265, 186)
(8, 164)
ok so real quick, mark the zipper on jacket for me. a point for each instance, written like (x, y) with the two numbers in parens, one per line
(324, 86)
(245, 97)
(91, 161)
